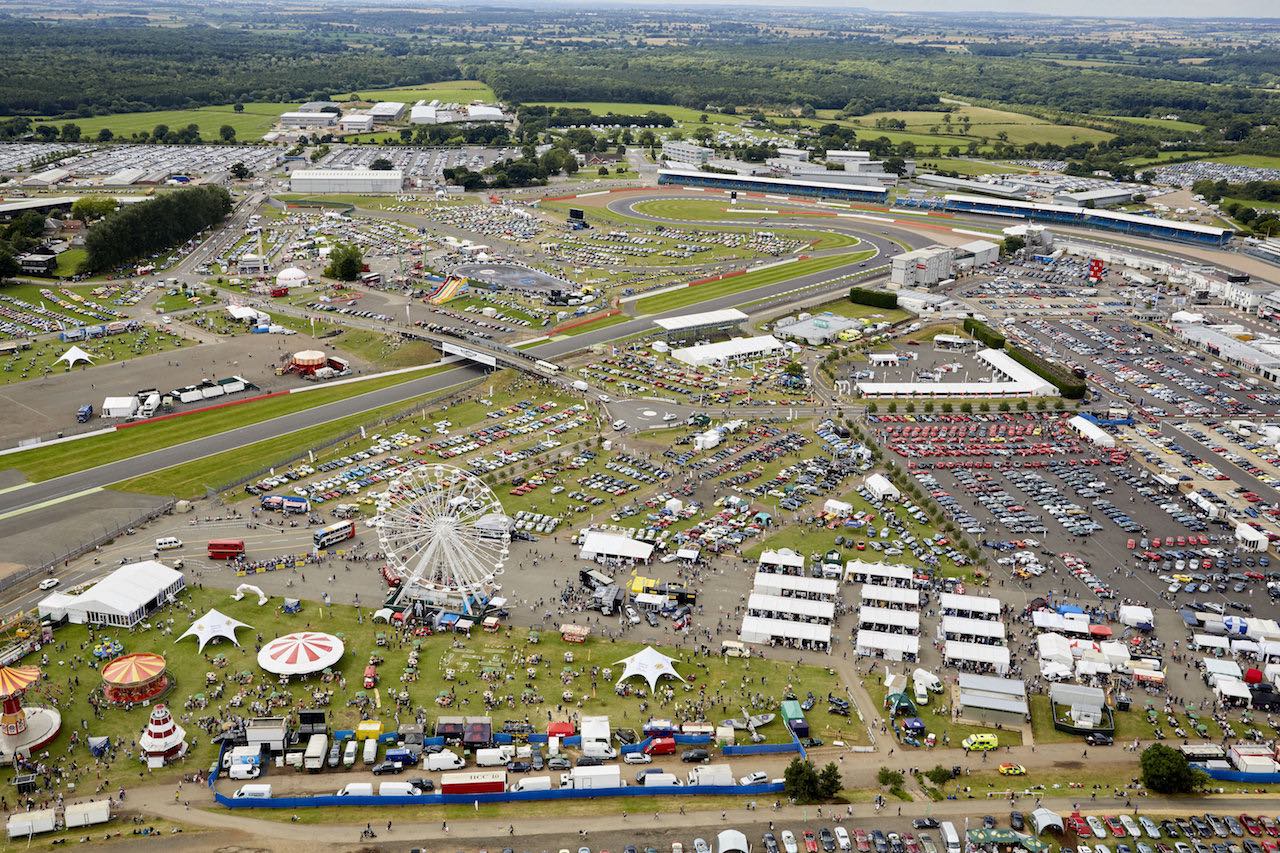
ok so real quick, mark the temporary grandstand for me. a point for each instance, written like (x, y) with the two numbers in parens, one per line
(778, 187)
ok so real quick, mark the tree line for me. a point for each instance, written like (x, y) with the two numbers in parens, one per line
(138, 230)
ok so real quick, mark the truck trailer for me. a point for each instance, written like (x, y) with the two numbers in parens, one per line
(474, 782)
(592, 778)
(712, 774)
(317, 750)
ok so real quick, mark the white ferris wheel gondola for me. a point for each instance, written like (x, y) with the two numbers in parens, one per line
(444, 534)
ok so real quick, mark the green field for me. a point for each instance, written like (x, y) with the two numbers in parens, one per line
(680, 114)
(45, 463)
(1256, 205)
(698, 210)
(967, 167)
(1167, 157)
(772, 275)
(1258, 161)
(250, 125)
(383, 351)
(948, 732)
(985, 122)
(69, 262)
(1165, 123)
(594, 325)
(845, 308)
(460, 91)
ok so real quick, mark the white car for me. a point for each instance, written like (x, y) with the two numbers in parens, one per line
(49, 583)
(789, 842)
(632, 616)
(757, 778)
(701, 846)
(842, 838)
(604, 398)
(637, 758)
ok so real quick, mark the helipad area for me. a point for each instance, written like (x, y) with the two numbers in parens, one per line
(1012, 380)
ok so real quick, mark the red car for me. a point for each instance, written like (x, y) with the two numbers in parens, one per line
(1251, 825)
(1269, 826)
(810, 842)
(1077, 824)
(862, 841)
(1117, 828)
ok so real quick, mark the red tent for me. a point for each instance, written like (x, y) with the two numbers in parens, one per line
(1099, 631)
(559, 729)
(1253, 676)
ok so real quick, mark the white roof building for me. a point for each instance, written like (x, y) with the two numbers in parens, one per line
(880, 486)
(893, 595)
(387, 110)
(123, 598)
(881, 574)
(973, 606)
(1011, 379)
(730, 352)
(705, 319)
(613, 546)
(758, 629)
(800, 586)
(956, 652)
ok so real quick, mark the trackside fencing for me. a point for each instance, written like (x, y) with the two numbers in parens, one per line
(326, 801)
(682, 739)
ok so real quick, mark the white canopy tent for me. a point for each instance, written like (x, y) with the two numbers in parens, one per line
(958, 652)
(907, 619)
(977, 606)
(759, 629)
(891, 646)
(613, 546)
(1054, 648)
(1071, 623)
(783, 558)
(891, 595)
(770, 583)
(883, 574)
(1209, 641)
(1230, 688)
(123, 598)
(881, 488)
(300, 653)
(74, 356)
(960, 626)
(804, 607)
(213, 625)
(650, 664)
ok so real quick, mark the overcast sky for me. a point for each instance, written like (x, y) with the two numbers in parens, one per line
(1132, 8)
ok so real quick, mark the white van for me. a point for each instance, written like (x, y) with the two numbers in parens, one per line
(397, 789)
(734, 649)
(244, 771)
(168, 543)
(445, 760)
(619, 425)
(370, 750)
(253, 792)
(356, 789)
(349, 753)
(950, 838)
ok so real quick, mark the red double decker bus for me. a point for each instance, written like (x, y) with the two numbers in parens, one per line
(225, 549)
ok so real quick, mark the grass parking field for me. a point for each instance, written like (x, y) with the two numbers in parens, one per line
(41, 359)
(459, 91)
(771, 275)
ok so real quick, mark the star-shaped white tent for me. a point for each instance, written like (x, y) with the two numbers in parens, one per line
(213, 625)
(650, 664)
(74, 356)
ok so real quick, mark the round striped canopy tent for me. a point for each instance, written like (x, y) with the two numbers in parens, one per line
(132, 670)
(300, 653)
(15, 679)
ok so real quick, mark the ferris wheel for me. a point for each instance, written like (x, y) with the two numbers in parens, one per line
(443, 531)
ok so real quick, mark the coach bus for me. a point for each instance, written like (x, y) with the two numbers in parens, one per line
(334, 533)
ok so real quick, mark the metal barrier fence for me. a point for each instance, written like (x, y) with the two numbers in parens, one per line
(325, 801)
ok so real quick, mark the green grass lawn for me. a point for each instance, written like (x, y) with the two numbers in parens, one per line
(1167, 157)
(939, 724)
(1165, 123)
(602, 323)
(1256, 205)
(30, 293)
(45, 463)
(460, 91)
(69, 262)
(698, 210)
(701, 293)
(383, 351)
(680, 114)
(250, 125)
(1258, 161)
(734, 680)
(845, 308)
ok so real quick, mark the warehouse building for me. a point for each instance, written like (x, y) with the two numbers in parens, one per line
(47, 178)
(922, 267)
(385, 111)
(346, 181)
(1010, 379)
(976, 253)
(356, 123)
(319, 107)
(924, 302)
(688, 153)
(1105, 197)
(815, 330)
(301, 119)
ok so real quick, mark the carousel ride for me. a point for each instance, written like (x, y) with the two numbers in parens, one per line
(445, 536)
(23, 730)
(135, 678)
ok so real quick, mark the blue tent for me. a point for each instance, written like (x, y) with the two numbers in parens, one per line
(1064, 609)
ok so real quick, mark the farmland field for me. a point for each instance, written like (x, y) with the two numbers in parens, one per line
(984, 122)
(250, 125)
(681, 114)
(1166, 123)
(461, 91)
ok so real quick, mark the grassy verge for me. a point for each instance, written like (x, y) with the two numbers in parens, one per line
(602, 323)
(45, 463)
(383, 351)
(761, 278)
(69, 262)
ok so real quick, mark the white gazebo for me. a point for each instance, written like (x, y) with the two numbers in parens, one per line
(75, 356)
(650, 664)
(214, 625)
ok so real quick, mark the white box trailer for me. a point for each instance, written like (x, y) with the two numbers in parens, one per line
(711, 774)
(119, 407)
(26, 824)
(87, 814)
(588, 778)
(317, 750)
